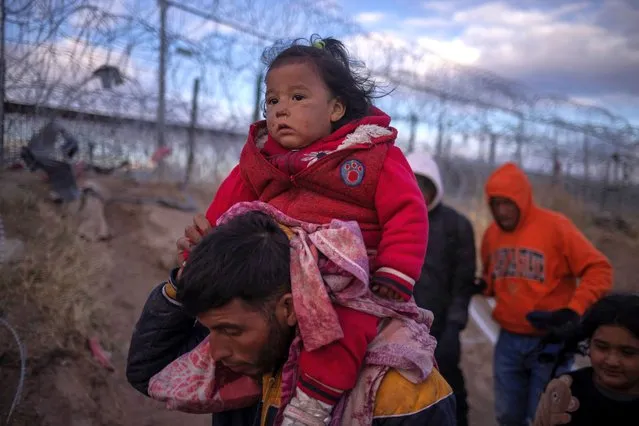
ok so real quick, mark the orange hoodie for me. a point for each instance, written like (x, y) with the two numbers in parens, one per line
(536, 266)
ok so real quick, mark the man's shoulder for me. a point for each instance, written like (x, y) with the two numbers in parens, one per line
(552, 216)
(399, 398)
(455, 217)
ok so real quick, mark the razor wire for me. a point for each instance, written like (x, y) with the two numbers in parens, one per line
(220, 43)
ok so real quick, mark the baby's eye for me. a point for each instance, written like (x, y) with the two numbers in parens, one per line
(298, 97)
(271, 101)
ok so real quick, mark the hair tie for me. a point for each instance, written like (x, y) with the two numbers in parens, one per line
(319, 44)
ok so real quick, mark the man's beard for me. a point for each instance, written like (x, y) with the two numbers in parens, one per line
(275, 352)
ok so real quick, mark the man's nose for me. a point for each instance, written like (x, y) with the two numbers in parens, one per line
(502, 211)
(217, 349)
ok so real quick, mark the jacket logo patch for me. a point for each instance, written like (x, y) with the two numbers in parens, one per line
(352, 172)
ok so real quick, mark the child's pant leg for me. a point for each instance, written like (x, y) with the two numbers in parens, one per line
(327, 372)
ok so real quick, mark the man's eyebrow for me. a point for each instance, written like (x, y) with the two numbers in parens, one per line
(226, 326)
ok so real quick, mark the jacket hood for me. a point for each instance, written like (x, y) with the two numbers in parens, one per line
(374, 128)
(509, 181)
(423, 164)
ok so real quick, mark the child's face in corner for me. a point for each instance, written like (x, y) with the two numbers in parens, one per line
(299, 107)
(614, 354)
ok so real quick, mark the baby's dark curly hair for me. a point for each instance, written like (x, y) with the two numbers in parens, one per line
(346, 78)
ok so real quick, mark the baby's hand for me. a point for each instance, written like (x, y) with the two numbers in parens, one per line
(193, 234)
(386, 292)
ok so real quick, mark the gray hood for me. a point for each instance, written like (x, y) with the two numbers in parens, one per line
(423, 164)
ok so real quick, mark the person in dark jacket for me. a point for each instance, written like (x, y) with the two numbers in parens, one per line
(241, 298)
(447, 281)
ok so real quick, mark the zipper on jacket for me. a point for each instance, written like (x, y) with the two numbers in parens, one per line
(261, 413)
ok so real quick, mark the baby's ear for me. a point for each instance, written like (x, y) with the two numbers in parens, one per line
(338, 109)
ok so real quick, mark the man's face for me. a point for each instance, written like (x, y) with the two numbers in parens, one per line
(427, 187)
(614, 354)
(505, 212)
(247, 340)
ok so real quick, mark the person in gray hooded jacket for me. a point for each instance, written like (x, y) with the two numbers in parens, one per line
(447, 281)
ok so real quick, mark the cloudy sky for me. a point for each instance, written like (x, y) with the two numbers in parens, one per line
(586, 50)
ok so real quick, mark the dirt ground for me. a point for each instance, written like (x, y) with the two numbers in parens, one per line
(68, 387)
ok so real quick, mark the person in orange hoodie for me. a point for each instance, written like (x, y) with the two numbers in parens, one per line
(543, 274)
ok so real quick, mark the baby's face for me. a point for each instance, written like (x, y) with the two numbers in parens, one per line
(614, 354)
(299, 107)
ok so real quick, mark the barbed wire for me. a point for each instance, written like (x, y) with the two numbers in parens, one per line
(54, 45)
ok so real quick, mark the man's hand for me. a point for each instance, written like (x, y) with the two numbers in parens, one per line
(192, 235)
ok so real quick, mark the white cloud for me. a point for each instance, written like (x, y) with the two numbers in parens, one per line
(563, 48)
(196, 28)
(455, 50)
(536, 41)
(100, 16)
(428, 22)
(369, 17)
(440, 6)
(499, 13)
(570, 9)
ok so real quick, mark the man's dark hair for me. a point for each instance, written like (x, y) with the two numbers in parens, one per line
(246, 258)
(426, 183)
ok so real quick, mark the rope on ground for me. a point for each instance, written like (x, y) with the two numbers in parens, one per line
(23, 369)
(21, 349)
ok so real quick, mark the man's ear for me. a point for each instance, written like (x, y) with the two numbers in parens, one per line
(338, 109)
(285, 311)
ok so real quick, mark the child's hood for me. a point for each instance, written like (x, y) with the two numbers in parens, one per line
(373, 129)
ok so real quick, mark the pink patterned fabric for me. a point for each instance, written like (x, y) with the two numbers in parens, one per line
(329, 264)
(193, 383)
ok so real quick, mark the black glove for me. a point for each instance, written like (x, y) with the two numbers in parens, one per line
(558, 324)
(547, 320)
(448, 348)
(480, 286)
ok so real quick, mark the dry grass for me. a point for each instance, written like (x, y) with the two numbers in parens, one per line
(49, 295)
